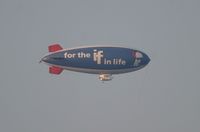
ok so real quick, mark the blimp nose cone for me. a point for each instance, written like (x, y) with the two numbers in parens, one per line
(146, 59)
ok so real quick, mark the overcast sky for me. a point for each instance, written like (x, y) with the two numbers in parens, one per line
(162, 97)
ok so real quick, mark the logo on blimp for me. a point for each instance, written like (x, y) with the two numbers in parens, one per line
(138, 56)
(98, 57)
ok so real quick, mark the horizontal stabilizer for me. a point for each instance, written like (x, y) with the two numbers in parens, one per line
(54, 47)
(55, 70)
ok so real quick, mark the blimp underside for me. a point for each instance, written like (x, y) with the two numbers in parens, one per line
(102, 60)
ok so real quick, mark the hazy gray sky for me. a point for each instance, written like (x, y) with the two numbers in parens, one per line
(162, 97)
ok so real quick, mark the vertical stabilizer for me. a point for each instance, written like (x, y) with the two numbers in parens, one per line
(54, 47)
(55, 70)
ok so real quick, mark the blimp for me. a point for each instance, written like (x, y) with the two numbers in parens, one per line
(104, 61)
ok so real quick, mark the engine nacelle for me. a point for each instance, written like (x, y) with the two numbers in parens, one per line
(105, 77)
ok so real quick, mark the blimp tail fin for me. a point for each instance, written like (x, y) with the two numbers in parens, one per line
(54, 47)
(55, 70)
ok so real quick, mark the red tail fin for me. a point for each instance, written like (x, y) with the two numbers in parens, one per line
(55, 70)
(54, 47)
